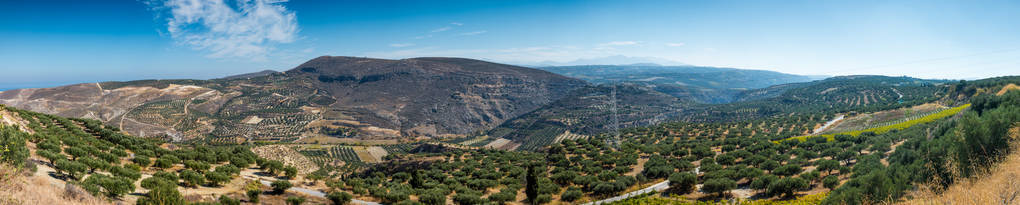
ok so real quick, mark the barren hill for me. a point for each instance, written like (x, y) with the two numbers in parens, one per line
(340, 97)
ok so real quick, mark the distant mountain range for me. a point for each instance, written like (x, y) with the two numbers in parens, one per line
(610, 60)
(699, 83)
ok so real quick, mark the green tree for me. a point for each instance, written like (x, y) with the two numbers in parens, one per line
(290, 172)
(95, 164)
(142, 160)
(531, 186)
(683, 182)
(432, 197)
(253, 195)
(198, 166)
(192, 178)
(76, 152)
(12, 146)
(572, 194)
(810, 176)
(71, 168)
(53, 157)
(787, 170)
(339, 197)
(719, 185)
(216, 178)
(273, 166)
(762, 182)
(830, 182)
(280, 186)
(786, 186)
(828, 166)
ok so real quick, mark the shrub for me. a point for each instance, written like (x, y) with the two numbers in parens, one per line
(253, 195)
(226, 200)
(295, 200)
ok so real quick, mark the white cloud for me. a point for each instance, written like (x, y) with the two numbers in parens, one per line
(456, 24)
(473, 33)
(620, 43)
(445, 28)
(675, 44)
(242, 29)
(399, 45)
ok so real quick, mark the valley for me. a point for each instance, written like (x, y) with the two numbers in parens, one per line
(350, 129)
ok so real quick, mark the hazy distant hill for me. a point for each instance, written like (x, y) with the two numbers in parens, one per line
(588, 111)
(698, 76)
(702, 84)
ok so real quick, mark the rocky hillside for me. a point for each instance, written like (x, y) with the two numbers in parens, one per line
(326, 97)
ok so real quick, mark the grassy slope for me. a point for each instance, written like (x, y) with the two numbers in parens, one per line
(887, 128)
(1000, 185)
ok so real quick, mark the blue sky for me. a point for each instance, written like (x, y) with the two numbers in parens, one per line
(45, 43)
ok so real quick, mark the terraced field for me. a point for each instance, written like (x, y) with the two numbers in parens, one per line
(889, 127)
(398, 148)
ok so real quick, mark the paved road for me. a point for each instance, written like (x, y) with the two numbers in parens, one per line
(827, 124)
(654, 188)
(319, 193)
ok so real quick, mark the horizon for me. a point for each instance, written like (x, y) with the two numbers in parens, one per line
(101, 41)
(15, 86)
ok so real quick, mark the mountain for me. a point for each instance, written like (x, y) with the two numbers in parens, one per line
(251, 75)
(614, 60)
(326, 98)
(702, 84)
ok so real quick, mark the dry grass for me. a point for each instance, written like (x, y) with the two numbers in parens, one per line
(1000, 185)
(1007, 88)
(21, 187)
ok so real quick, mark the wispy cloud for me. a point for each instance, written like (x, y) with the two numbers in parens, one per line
(473, 33)
(244, 29)
(445, 28)
(456, 24)
(675, 44)
(400, 45)
(509, 55)
(619, 43)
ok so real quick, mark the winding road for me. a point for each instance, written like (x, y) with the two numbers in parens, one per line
(654, 188)
(827, 124)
